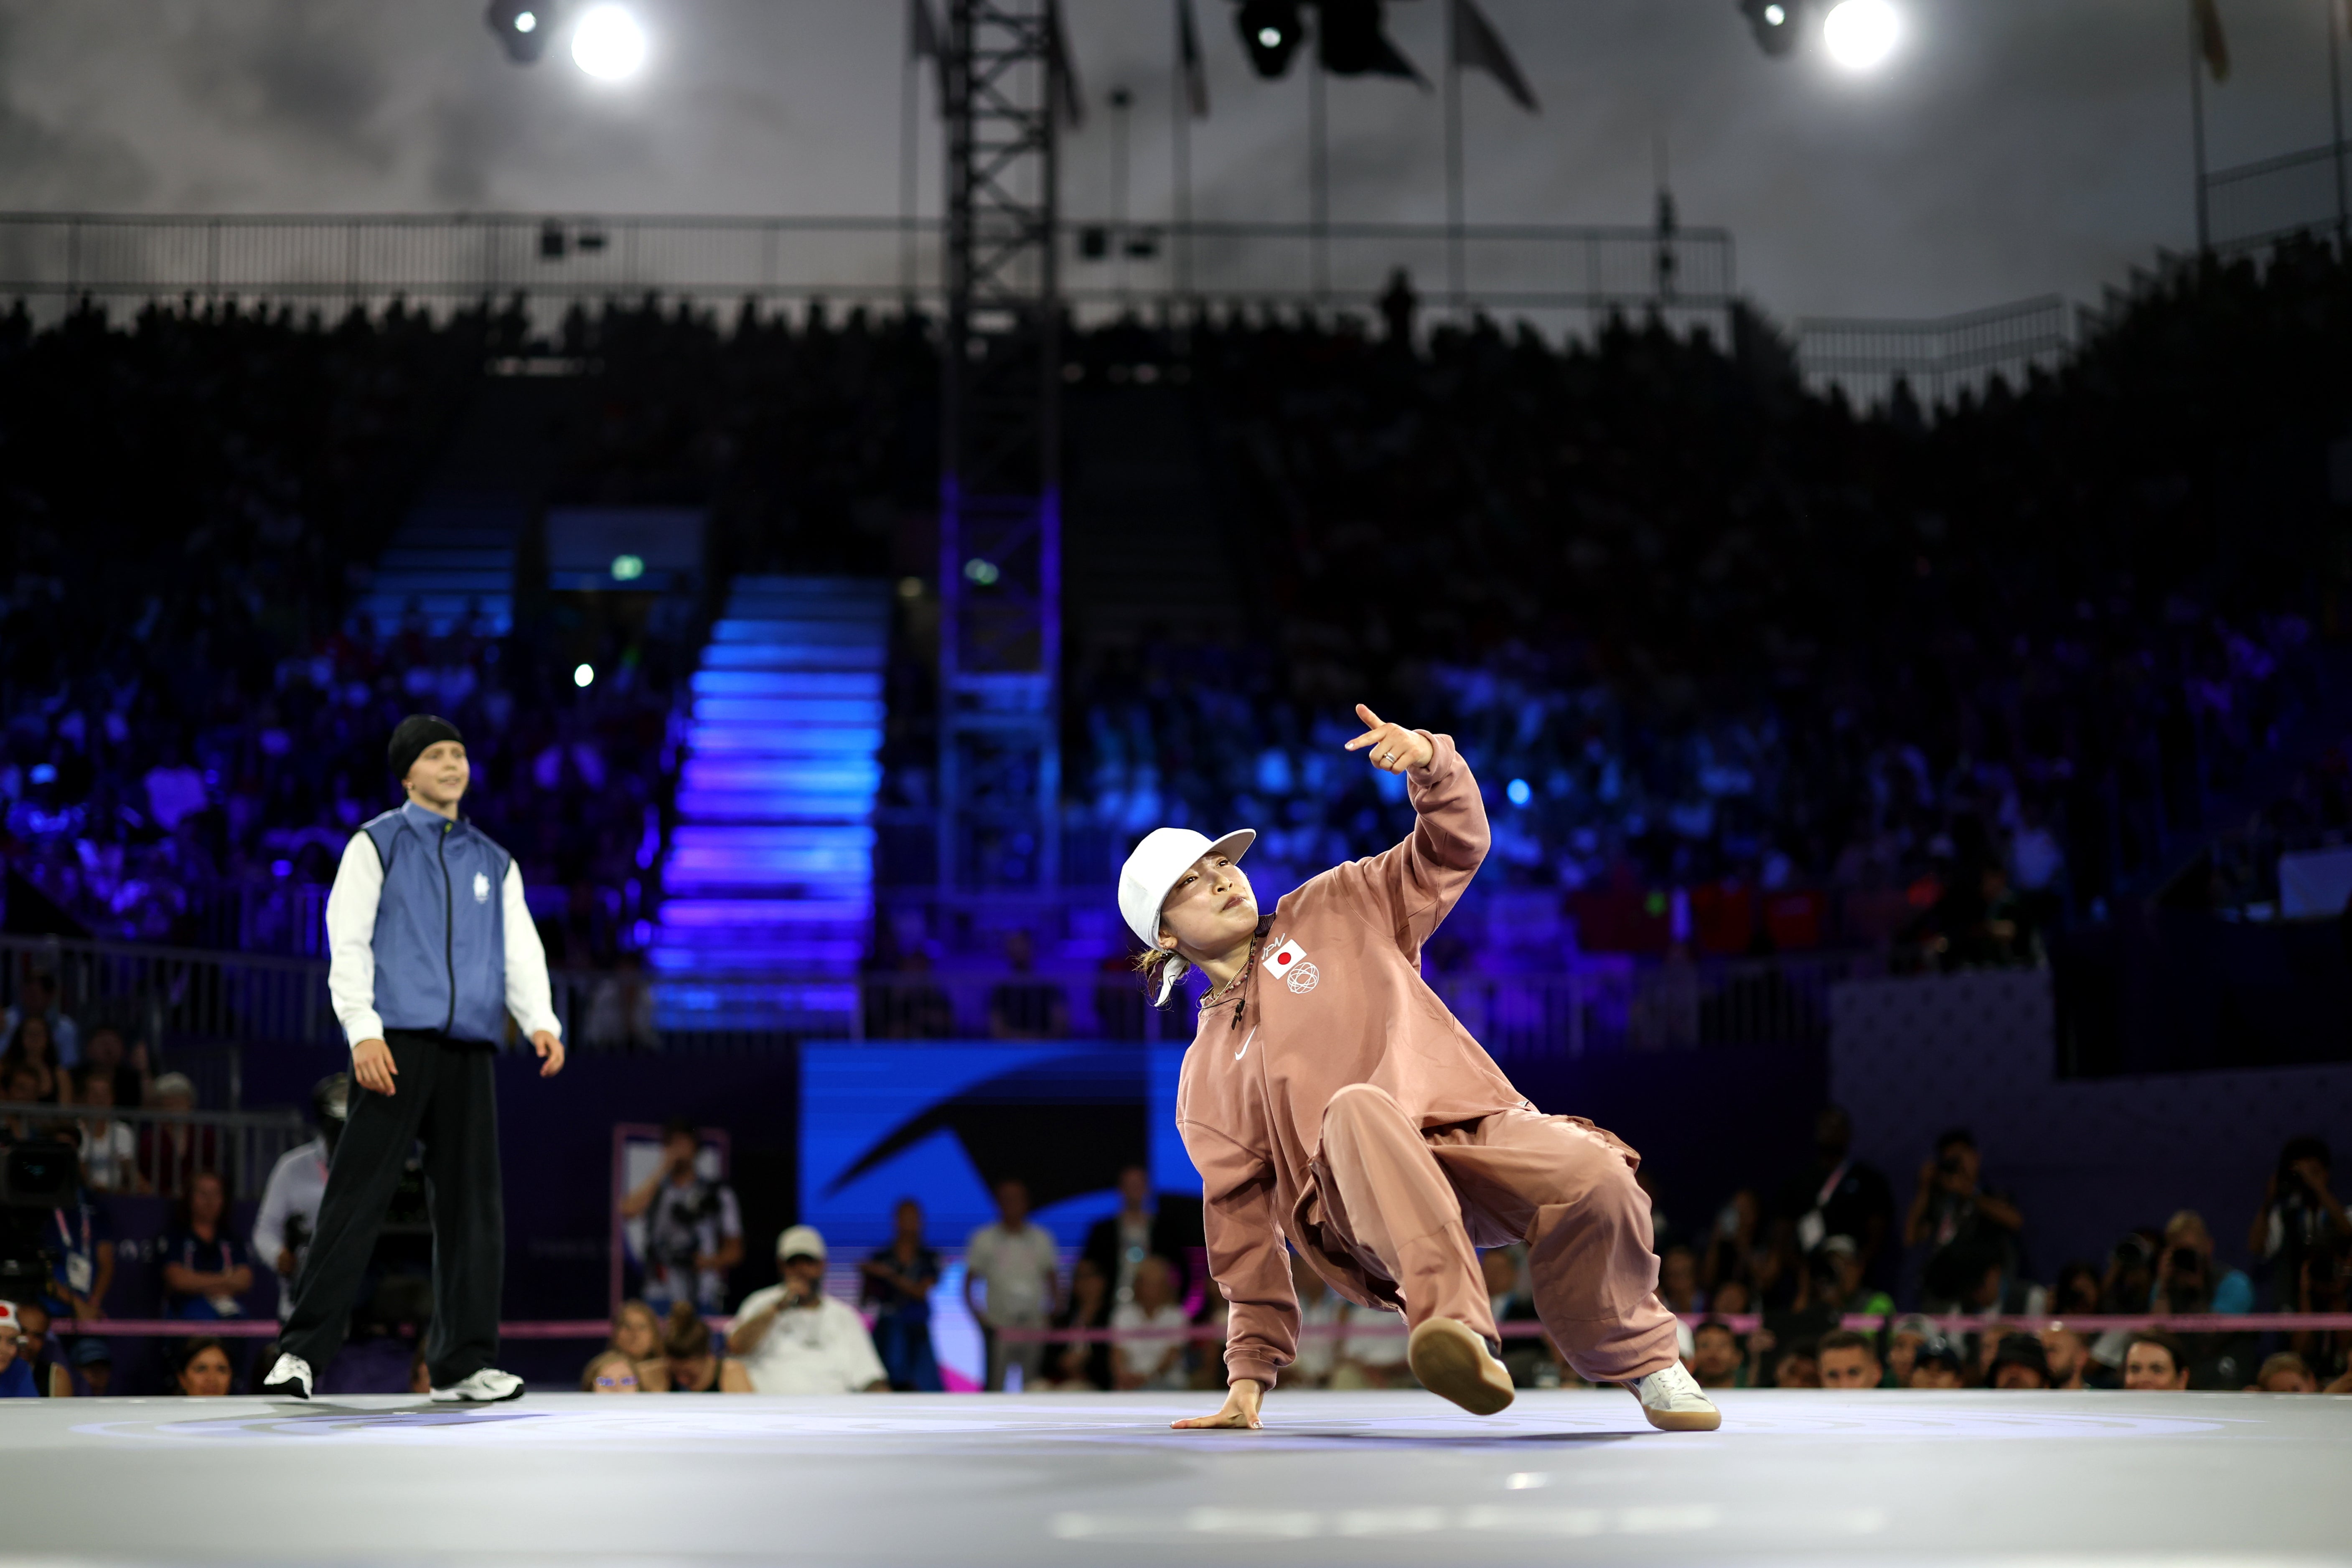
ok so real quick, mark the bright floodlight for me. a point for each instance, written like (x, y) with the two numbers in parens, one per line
(1775, 14)
(526, 22)
(608, 43)
(583, 675)
(1861, 34)
(1270, 36)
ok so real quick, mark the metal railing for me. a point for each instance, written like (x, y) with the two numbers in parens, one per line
(1584, 272)
(193, 1001)
(2253, 204)
(168, 1148)
(1937, 359)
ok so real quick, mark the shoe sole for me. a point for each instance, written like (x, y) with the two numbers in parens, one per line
(284, 1391)
(440, 1397)
(1706, 1420)
(1452, 1362)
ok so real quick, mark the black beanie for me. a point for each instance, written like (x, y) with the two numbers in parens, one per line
(415, 732)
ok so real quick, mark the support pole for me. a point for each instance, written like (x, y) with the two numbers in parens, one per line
(2196, 126)
(1455, 270)
(2336, 115)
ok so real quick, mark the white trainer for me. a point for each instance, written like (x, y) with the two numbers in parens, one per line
(487, 1387)
(1674, 1401)
(289, 1378)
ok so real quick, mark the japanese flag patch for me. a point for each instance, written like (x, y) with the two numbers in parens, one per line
(1288, 962)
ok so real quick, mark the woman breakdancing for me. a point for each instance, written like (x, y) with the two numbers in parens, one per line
(1329, 1098)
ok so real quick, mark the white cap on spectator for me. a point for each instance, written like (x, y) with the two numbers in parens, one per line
(800, 1241)
(8, 1316)
(174, 1083)
(1150, 873)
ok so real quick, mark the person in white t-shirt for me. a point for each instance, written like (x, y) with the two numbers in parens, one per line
(109, 1150)
(793, 1337)
(1018, 1267)
(1157, 1361)
(289, 1215)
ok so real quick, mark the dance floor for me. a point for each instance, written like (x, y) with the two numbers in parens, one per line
(1340, 1479)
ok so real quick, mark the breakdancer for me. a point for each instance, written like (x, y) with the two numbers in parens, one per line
(431, 947)
(1329, 1098)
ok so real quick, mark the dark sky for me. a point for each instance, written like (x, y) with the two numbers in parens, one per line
(2013, 147)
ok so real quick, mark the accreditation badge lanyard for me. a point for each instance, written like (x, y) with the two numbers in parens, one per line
(1812, 1228)
(78, 1268)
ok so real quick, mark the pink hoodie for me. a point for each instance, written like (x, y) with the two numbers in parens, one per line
(1348, 1006)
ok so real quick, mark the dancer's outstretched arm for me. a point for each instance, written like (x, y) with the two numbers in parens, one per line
(1420, 880)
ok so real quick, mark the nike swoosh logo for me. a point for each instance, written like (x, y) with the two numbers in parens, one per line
(1245, 1045)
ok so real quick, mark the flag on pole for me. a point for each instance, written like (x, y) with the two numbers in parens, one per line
(1196, 75)
(924, 43)
(2210, 41)
(1477, 46)
(1066, 69)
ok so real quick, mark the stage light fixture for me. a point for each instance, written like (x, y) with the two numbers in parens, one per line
(1774, 22)
(608, 44)
(522, 28)
(1271, 32)
(1861, 34)
(584, 676)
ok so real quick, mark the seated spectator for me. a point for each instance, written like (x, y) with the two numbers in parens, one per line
(1848, 1360)
(1206, 1352)
(17, 1380)
(2154, 1360)
(1023, 1008)
(694, 1227)
(1142, 1228)
(610, 1371)
(794, 1338)
(2323, 1284)
(2188, 1279)
(2068, 1354)
(171, 1153)
(36, 1349)
(1533, 1363)
(37, 998)
(621, 1009)
(894, 1283)
(103, 1054)
(1077, 1365)
(1319, 1327)
(1910, 1331)
(1374, 1359)
(1678, 1282)
(200, 1370)
(637, 1335)
(21, 1085)
(2020, 1362)
(1798, 1366)
(92, 1362)
(109, 1150)
(204, 1267)
(1156, 1361)
(2284, 1372)
(31, 1046)
(1716, 1358)
(1936, 1365)
(2076, 1293)
(696, 1358)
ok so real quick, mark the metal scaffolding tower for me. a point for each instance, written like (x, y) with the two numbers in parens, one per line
(999, 482)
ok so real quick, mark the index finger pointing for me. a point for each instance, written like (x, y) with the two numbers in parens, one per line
(1371, 720)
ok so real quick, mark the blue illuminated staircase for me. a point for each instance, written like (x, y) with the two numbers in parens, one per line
(768, 885)
(450, 561)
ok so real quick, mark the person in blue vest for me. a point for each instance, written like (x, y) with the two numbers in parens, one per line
(431, 948)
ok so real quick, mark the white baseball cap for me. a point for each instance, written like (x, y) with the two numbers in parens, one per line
(1150, 873)
(800, 1241)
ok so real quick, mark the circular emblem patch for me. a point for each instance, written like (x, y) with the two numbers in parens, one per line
(1304, 978)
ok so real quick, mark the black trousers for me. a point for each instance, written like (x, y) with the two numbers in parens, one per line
(446, 1096)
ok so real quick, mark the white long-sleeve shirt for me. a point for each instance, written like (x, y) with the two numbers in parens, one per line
(351, 948)
(298, 1183)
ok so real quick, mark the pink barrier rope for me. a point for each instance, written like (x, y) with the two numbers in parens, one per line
(1387, 1326)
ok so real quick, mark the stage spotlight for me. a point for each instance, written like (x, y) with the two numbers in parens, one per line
(522, 26)
(584, 676)
(1270, 31)
(608, 44)
(1861, 34)
(1774, 22)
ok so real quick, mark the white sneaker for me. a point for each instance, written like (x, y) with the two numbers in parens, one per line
(289, 1378)
(487, 1387)
(1453, 1362)
(1674, 1401)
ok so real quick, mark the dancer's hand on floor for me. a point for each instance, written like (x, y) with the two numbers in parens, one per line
(1240, 1411)
(1395, 748)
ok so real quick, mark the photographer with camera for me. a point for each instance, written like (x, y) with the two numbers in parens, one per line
(289, 1215)
(2188, 1279)
(793, 1337)
(694, 1229)
(1967, 1229)
(2300, 1215)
